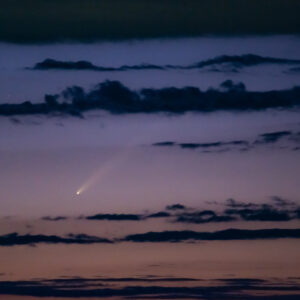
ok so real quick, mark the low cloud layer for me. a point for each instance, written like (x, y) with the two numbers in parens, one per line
(115, 217)
(204, 216)
(115, 98)
(292, 139)
(233, 61)
(15, 239)
(205, 146)
(235, 288)
(245, 60)
(223, 235)
(279, 210)
(176, 206)
(273, 137)
(82, 65)
(276, 210)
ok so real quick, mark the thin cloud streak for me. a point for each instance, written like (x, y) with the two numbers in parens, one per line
(236, 61)
(269, 138)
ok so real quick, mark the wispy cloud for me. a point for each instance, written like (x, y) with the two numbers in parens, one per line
(204, 216)
(52, 64)
(234, 61)
(276, 210)
(115, 217)
(176, 206)
(290, 138)
(272, 137)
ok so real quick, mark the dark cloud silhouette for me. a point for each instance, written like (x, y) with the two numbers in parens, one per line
(272, 137)
(261, 214)
(205, 216)
(175, 207)
(209, 147)
(279, 210)
(236, 288)
(114, 97)
(13, 239)
(236, 204)
(246, 60)
(282, 202)
(276, 210)
(241, 145)
(234, 61)
(161, 214)
(49, 64)
(213, 145)
(195, 145)
(229, 234)
(230, 85)
(52, 64)
(115, 217)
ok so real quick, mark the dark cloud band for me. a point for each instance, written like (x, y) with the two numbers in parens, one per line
(235, 61)
(224, 235)
(114, 97)
(14, 239)
(115, 217)
(154, 288)
(292, 138)
(276, 210)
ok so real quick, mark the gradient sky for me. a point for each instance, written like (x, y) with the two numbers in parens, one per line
(131, 166)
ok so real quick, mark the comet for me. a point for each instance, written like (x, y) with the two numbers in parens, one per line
(106, 168)
(111, 164)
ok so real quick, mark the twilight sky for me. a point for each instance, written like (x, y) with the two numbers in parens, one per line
(113, 158)
(152, 169)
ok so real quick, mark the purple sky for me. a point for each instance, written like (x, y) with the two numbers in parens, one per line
(113, 162)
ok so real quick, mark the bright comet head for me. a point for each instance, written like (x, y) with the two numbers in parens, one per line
(78, 193)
